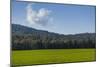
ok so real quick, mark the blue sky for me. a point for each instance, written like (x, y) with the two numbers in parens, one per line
(59, 18)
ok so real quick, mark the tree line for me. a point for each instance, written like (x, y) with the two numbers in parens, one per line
(30, 42)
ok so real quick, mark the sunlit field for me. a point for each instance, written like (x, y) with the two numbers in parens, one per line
(49, 56)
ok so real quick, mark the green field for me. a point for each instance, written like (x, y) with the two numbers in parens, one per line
(49, 56)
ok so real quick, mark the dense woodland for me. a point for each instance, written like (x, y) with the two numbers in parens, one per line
(25, 38)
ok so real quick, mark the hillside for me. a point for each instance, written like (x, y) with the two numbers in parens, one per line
(23, 30)
(44, 39)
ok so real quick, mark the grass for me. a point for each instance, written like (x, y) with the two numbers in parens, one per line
(49, 56)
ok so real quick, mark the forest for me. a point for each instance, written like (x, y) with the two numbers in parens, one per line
(26, 38)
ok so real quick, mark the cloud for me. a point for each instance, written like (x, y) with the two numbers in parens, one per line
(40, 17)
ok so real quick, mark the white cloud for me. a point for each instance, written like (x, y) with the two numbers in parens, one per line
(39, 17)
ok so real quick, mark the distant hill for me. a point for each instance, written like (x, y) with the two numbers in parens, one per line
(22, 33)
(21, 30)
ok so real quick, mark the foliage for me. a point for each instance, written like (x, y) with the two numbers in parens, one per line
(25, 38)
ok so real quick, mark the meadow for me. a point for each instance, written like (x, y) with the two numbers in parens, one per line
(51, 56)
